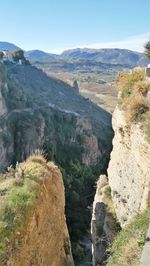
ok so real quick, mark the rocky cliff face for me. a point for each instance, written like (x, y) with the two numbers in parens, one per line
(5, 150)
(129, 169)
(32, 102)
(37, 234)
(22, 132)
(92, 152)
(104, 225)
(129, 185)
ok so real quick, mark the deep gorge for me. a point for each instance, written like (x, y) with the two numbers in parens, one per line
(77, 138)
(45, 122)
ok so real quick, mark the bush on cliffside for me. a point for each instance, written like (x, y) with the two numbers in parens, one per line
(126, 248)
(19, 190)
(125, 81)
(134, 97)
(135, 107)
(142, 87)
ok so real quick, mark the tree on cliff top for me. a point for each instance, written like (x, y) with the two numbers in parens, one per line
(147, 49)
(17, 55)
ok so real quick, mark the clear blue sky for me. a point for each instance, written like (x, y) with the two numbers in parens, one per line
(55, 25)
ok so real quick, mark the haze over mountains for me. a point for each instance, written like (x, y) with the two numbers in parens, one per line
(95, 70)
(108, 56)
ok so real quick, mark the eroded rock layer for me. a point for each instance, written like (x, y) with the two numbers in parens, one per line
(36, 231)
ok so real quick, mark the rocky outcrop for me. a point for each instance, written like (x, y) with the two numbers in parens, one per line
(104, 225)
(91, 153)
(129, 187)
(39, 236)
(75, 86)
(24, 131)
(129, 169)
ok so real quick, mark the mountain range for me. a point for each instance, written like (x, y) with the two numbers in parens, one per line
(108, 55)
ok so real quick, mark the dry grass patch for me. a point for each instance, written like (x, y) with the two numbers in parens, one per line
(135, 107)
(37, 157)
(125, 81)
(142, 87)
(134, 101)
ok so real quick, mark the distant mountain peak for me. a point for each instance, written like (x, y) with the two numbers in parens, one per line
(106, 55)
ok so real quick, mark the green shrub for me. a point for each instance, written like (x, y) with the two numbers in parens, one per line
(19, 203)
(6, 138)
(78, 253)
(19, 200)
(126, 248)
(126, 80)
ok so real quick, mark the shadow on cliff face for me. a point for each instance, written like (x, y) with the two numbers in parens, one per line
(98, 235)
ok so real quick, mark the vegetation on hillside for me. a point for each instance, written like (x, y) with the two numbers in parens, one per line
(43, 113)
(78, 178)
(125, 81)
(126, 248)
(134, 91)
(19, 190)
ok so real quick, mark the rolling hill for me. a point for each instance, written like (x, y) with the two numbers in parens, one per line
(108, 56)
(39, 55)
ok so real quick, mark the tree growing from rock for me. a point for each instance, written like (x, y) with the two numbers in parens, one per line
(18, 55)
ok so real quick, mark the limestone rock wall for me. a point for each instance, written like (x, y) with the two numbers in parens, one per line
(129, 169)
(92, 152)
(104, 225)
(128, 181)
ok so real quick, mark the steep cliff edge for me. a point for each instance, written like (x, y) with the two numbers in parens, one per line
(129, 169)
(129, 179)
(104, 224)
(33, 228)
(128, 174)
